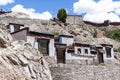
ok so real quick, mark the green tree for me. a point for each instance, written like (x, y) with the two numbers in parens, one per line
(62, 15)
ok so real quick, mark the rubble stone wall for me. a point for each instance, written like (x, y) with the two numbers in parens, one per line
(85, 72)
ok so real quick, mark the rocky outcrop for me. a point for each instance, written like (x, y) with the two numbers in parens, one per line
(19, 61)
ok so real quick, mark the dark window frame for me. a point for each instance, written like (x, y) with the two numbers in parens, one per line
(86, 51)
(40, 47)
(79, 50)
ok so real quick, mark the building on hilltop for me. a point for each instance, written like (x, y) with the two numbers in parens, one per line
(74, 19)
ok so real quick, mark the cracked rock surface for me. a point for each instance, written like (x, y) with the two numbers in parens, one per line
(19, 61)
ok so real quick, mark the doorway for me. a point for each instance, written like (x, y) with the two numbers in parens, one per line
(100, 58)
(60, 55)
(108, 52)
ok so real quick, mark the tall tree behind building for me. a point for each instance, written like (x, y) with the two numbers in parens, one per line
(62, 15)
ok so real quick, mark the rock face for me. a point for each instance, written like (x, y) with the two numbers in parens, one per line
(19, 61)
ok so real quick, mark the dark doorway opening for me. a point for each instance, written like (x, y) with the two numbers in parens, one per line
(108, 52)
(100, 57)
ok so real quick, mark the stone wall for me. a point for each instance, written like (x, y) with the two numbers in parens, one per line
(74, 19)
(105, 23)
(85, 72)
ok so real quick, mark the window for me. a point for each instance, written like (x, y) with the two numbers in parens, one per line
(79, 51)
(86, 51)
(16, 28)
(43, 46)
(92, 47)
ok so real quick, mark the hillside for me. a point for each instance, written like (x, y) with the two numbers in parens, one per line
(82, 32)
(19, 61)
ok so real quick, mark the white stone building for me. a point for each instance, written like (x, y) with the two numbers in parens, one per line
(65, 50)
(79, 53)
(69, 52)
(43, 42)
(107, 54)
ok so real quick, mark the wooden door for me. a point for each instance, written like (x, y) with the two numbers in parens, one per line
(60, 56)
(100, 58)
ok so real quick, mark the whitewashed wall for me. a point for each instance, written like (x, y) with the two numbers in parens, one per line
(51, 48)
(33, 42)
(69, 56)
(67, 40)
(82, 50)
(21, 27)
(11, 28)
(105, 56)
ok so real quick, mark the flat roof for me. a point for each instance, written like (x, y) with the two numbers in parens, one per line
(39, 34)
(107, 45)
(81, 45)
(69, 36)
(16, 24)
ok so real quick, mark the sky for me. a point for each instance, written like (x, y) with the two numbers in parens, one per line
(91, 10)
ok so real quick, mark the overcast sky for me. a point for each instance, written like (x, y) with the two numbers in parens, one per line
(91, 10)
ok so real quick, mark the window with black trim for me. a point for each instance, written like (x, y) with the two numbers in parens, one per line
(16, 28)
(79, 51)
(86, 51)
